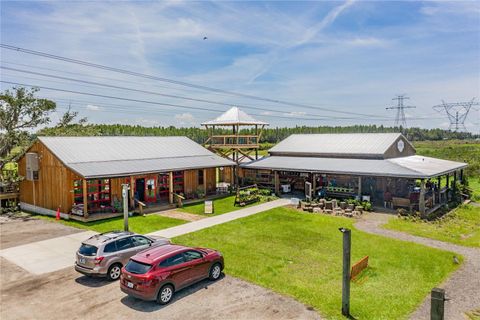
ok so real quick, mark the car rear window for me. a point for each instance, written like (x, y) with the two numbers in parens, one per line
(87, 250)
(137, 267)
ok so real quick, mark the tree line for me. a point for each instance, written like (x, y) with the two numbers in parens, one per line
(269, 135)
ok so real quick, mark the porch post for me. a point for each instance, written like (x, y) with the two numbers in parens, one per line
(461, 176)
(421, 200)
(132, 191)
(85, 198)
(170, 187)
(448, 180)
(360, 188)
(314, 185)
(277, 183)
(439, 188)
(205, 182)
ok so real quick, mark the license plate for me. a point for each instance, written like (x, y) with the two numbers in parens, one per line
(130, 285)
(81, 260)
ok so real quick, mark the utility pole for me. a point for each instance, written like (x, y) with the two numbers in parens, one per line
(125, 188)
(400, 117)
(347, 244)
(456, 112)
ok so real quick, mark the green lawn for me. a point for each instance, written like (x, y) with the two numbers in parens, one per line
(220, 206)
(138, 224)
(300, 255)
(460, 226)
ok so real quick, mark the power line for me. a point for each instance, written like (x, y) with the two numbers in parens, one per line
(171, 105)
(400, 117)
(148, 92)
(457, 113)
(172, 81)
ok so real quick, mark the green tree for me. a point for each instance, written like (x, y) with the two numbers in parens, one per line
(20, 110)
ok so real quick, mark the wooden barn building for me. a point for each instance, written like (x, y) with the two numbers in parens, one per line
(83, 176)
(382, 167)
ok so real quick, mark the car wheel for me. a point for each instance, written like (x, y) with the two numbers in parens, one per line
(114, 272)
(215, 271)
(165, 294)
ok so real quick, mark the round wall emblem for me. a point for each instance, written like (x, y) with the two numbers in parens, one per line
(400, 145)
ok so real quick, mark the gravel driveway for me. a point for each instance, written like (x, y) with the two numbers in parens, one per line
(463, 287)
(67, 294)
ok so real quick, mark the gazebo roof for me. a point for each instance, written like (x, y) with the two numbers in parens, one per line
(234, 116)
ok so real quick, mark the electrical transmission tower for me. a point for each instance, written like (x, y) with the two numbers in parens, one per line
(400, 118)
(457, 112)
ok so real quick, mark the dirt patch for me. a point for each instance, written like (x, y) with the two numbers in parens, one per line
(21, 229)
(180, 215)
(65, 292)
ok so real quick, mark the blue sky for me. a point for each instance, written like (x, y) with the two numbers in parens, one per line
(345, 57)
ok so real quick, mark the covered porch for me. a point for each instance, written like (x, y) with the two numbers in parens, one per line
(147, 192)
(414, 183)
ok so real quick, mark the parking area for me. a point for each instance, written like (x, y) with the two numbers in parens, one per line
(65, 292)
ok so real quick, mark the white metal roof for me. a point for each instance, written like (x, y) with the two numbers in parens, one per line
(234, 116)
(117, 156)
(331, 144)
(407, 167)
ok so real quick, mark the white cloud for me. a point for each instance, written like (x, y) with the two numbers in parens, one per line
(185, 119)
(93, 107)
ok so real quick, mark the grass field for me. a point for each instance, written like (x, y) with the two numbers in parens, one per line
(455, 150)
(221, 206)
(300, 255)
(460, 226)
(138, 224)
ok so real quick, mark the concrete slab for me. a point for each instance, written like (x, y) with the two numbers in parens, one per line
(47, 255)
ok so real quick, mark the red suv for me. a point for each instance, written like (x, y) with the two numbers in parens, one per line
(155, 274)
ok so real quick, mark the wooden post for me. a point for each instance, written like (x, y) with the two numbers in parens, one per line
(448, 180)
(421, 200)
(360, 188)
(439, 188)
(461, 176)
(132, 191)
(437, 306)
(314, 185)
(85, 198)
(277, 183)
(170, 187)
(454, 182)
(347, 244)
(205, 182)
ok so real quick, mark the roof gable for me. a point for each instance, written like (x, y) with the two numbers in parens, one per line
(344, 145)
(234, 116)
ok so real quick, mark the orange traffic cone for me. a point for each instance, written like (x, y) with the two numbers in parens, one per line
(58, 214)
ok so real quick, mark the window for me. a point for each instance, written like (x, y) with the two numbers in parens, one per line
(124, 244)
(192, 255)
(200, 177)
(151, 188)
(88, 250)
(140, 241)
(173, 261)
(137, 267)
(111, 247)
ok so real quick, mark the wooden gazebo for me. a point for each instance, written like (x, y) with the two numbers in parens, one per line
(233, 144)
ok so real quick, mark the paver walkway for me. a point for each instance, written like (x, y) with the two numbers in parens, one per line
(222, 218)
(58, 253)
(463, 287)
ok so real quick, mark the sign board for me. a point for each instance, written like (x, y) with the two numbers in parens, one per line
(308, 190)
(358, 267)
(208, 206)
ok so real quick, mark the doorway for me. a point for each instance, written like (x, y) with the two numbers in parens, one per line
(140, 189)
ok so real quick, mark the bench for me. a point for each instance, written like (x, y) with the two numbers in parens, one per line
(401, 202)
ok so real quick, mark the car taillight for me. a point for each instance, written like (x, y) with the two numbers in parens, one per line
(146, 281)
(98, 260)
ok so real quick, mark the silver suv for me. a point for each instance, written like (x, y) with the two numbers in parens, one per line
(105, 254)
